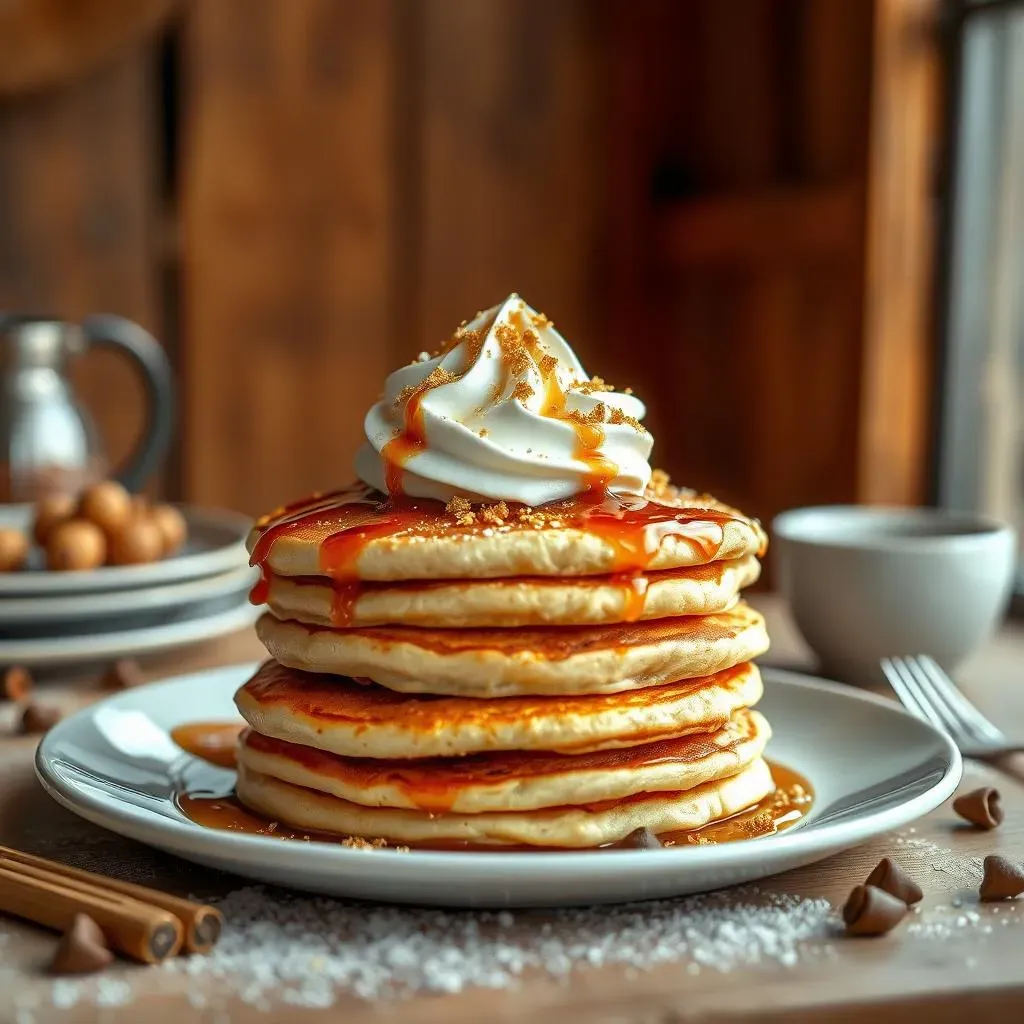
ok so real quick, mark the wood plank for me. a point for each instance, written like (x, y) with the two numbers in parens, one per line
(780, 225)
(77, 205)
(898, 330)
(47, 43)
(834, 71)
(287, 242)
(511, 174)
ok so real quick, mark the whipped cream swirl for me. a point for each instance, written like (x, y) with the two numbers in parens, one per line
(505, 411)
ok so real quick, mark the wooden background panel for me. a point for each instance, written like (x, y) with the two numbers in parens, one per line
(510, 173)
(287, 242)
(897, 360)
(77, 208)
(757, 230)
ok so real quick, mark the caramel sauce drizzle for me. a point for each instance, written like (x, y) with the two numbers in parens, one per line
(600, 471)
(215, 742)
(410, 441)
(789, 804)
(434, 784)
(633, 527)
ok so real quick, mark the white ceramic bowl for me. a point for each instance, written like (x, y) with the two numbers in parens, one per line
(868, 582)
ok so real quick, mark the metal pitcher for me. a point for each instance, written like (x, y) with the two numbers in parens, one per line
(48, 441)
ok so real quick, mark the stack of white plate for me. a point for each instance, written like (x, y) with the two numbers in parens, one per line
(198, 594)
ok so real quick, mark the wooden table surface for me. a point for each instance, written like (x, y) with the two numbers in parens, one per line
(958, 957)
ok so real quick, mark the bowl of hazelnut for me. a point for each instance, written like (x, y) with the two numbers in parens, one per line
(106, 539)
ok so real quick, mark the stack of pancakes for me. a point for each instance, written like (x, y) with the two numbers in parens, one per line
(555, 677)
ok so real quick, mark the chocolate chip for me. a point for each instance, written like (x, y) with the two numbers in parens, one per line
(1002, 879)
(17, 684)
(39, 718)
(891, 878)
(82, 948)
(981, 807)
(872, 911)
(122, 675)
(642, 839)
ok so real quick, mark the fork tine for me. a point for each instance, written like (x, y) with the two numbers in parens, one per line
(908, 693)
(922, 686)
(969, 714)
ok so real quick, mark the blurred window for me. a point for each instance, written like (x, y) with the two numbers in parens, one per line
(981, 440)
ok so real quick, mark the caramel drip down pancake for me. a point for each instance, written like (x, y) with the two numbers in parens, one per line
(569, 827)
(356, 719)
(523, 601)
(553, 660)
(358, 533)
(514, 780)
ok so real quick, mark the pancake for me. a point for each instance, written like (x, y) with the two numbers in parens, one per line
(575, 827)
(523, 601)
(358, 533)
(506, 662)
(514, 780)
(342, 716)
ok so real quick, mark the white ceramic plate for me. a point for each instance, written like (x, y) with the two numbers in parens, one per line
(874, 768)
(196, 623)
(216, 544)
(21, 617)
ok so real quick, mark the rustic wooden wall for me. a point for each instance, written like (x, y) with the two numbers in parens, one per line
(692, 191)
(751, 250)
(78, 205)
(288, 205)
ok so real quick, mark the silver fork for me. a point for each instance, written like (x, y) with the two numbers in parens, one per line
(926, 691)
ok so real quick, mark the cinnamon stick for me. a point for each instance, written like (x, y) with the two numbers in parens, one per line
(139, 931)
(202, 924)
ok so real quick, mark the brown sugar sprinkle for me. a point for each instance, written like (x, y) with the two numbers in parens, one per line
(701, 841)
(473, 340)
(540, 321)
(522, 391)
(483, 432)
(513, 351)
(495, 514)
(434, 379)
(377, 843)
(794, 796)
(617, 416)
(546, 365)
(588, 387)
(458, 506)
(461, 511)
(594, 416)
(759, 825)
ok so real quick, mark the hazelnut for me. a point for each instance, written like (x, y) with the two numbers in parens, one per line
(106, 504)
(138, 541)
(76, 544)
(171, 524)
(17, 683)
(13, 549)
(38, 718)
(50, 511)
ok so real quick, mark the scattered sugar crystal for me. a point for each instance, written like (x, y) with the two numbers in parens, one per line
(65, 994)
(112, 992)
(309, 950)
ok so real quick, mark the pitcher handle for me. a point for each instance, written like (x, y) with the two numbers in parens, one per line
(108, 331)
